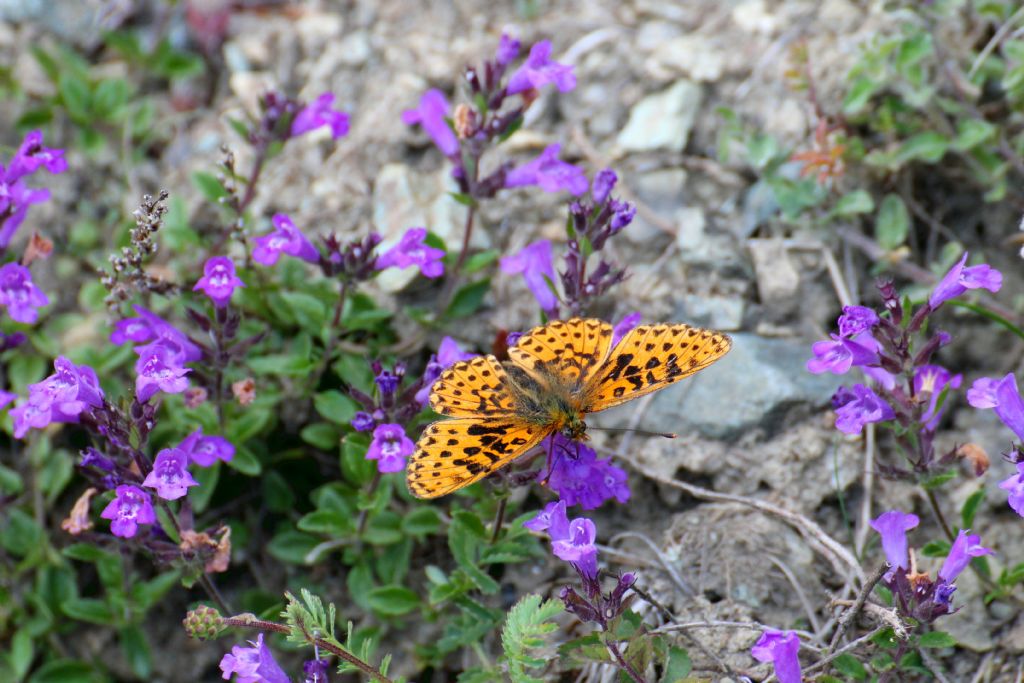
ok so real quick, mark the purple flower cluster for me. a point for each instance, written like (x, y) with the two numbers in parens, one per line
(15, 196)
(170, 476)
(592, 222)
(62, 397)
(578, 477)
(549, 173)
(917, 595)
(412, 250)
(285, 239)
(163, 351)
(572, 541)
(881, 347)
(318, 114)
(1002, 396)
(255, 664)
(390, 447)
(129, 508)
(205, 450)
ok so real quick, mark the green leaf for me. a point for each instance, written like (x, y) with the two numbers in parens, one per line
(75, 96)
(329, 522)
(935, 549)
(939, 480)
(422, 521)
(850, 666)
(21, 535)
(277, 493)
(526, 624)
(21, 653)
(927, 146)
(677, 665)
(209, 186)
(89, 609)
(466, 535)
(136, 651)
(291, 546)
(480, 261)
(335, 406)
(207, 477)
(892, 224)
(393, 601)
(856, 202)
(936, 639)
(468, 299)
(859, 94)
(322, 435)
(354, 465)
(970, 508)
(309, 311)
(110, 98)
(246, 462)
(973, 132)
(65, 671)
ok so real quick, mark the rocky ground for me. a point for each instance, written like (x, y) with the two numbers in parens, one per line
(652, 76)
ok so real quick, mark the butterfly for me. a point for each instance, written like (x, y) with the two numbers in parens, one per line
(556, 375)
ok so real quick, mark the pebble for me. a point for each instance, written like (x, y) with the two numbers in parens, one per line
(662, 121)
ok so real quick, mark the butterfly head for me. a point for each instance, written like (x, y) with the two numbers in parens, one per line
(574, 428)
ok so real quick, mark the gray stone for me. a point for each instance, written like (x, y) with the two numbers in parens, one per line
(778, 281)
(723, 313)
(698, 246)
(662, 121)
(693, 56)
(761, 384)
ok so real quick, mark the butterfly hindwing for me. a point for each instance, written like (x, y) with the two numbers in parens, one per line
(571, 350)
(455, 453)
(473, 388)
(651, 357)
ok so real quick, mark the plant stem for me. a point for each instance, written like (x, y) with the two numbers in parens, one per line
(204, 580)
(364, 514)
(934, 503)
(332, 339)
(261, 625)
(630, 671)
(499, 519)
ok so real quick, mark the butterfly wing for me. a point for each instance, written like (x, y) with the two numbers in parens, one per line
(568, 349)
(652, 357)
(477, 387)
(454, 453)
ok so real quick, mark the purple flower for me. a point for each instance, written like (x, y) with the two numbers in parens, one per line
(149, 326)
(965, 547)
(1015, 486)
(129, 509)
(93, 458)
(318, 114)
(285, 238)
(363, 421)
(508, 49)
(839, 355)
(412, 251)
(32, 155)
(959, 279)
(159, 369)
(622, 215)
(602, 186)
(169, 475)
(857, 406)
(15, 200)
(883, 377)
(254, 664)
(448, 353)
(549, 173)
(575, 473)
(19, 294)
(6, 398)
(61, 397)
(782, 650)
(431, 115)
(219, 280)
(625, 326)
(131, 329)
(387, 382)
(534, 262)
(390, 447)
(315, 671)
(856, 319)
(205, 450)
(933, 380)
(1003, 397)
(538, 70)
(570, 541)
(893, 527)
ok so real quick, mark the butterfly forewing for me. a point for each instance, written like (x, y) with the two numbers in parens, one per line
(474, 388)
(651, 357)
(455, 453)
(571, 350)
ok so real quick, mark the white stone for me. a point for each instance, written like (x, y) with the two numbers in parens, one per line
(662, 120)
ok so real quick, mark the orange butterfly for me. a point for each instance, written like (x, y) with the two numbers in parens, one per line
(556, 374)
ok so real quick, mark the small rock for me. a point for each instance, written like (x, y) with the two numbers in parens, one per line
(695, 57)
(699, 247)
(778, 281)
(761, 384)
(723, 313)
(662, 191)
(662, 120)
(404, 198)
(355, 49)
(755, 17)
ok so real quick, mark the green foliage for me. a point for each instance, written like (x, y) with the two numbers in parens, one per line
(526, 624)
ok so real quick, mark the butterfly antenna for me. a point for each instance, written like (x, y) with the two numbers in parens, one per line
(667, 435)
(551, 462)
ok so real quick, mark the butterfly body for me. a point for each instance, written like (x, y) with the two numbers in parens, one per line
(555, 376)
